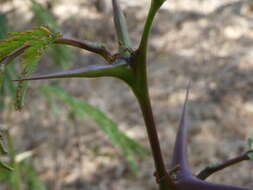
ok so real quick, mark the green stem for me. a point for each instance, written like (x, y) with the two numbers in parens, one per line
(211, 170)
(16, 181)
(140, 89)
(145, 105)
(147, 28)
(121, 28)
(141, 53)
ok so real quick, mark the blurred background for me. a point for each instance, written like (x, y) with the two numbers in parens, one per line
(56, 141)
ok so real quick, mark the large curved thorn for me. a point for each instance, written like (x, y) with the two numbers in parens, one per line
(185, 180)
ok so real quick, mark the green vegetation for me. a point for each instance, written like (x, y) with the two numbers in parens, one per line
(128, 65)
(79, 109)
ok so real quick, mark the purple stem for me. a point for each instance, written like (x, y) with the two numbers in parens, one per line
(205, 173)
(185, 180)
(84, 45)
(192, 183)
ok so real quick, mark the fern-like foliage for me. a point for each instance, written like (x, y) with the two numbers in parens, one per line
(18, 172)
(32, 178)
(4, 166)
(37, 40)
(8, 88)
(129, 147)
(60, 54)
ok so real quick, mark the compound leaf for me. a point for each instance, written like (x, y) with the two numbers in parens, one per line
(128, 146)
(60, 54)
(38, 40)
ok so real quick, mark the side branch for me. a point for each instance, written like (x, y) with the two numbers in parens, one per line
(121, 27)
(8, 58)
(205, 173)
(97, 48)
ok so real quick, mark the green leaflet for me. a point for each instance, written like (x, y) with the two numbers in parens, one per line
(60, 54)
(4, 25)
(43, 16)
(3, 31)
(250, 143)
(31, 177)
(5, 166)
(3, 149)
(17, 39)
(1, 76)
(128, 146)
(4, 175)
(7, 87)
(29, 62)
(38, 40)
(250, 155)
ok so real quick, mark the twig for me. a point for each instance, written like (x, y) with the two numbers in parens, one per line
(8, 58)
(98, 49)
(121, 27)
(210, 170)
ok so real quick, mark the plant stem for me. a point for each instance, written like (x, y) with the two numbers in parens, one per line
(121, 28)
(141, 52)
(147, 28)
(145, 105)
(16, 181)
(89, 46)
(205, 173)
(8, 58)
(140, 89)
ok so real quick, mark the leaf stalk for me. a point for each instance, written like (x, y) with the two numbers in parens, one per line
(97, 48)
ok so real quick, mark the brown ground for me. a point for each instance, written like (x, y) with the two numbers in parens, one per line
(209, 42)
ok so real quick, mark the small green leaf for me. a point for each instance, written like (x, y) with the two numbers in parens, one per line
(4, 175)
(6, 166)
(250, 143)
(1, 75)
(29, 37)
(250, 155)
(37, 40)
(60, 54)
(3, 149)
(43, 16)
(4, 25)
(30, 176)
